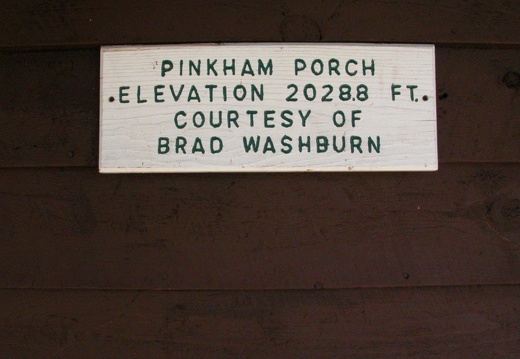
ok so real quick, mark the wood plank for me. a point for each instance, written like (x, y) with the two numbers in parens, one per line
(285, 115)
(49, 108)
(54, 121)
(76, 228)
(466, 322)
(95, 22)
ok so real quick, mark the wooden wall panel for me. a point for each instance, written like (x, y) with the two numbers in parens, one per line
(470, 322)
(49, 107)
(93, 22)
(76, 228)
(478, 105)
(178, 265)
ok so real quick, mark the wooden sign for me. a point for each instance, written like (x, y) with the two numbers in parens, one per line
(268, 107)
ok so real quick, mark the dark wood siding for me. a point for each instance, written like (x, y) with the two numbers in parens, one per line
(303, 265)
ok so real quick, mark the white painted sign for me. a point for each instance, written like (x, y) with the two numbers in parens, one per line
(268, 107)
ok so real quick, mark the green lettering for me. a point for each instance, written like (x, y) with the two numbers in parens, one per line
(268, 118)
(194, 94)
(123, 94)
(252, 114)
(288, 121)
(200, 115)
(242, 95)
(335, 146)
(229, 67)
(257, 93)
(176, 96)
(304, 117)
(299, 65)
(210, 88)
(322, 144)
(139, 100)
(158, 93)
(354, 117)
(166, 66)
(211, 67)
(347, 65)
(291, 97)
(251, 144)
(265, 68)
(394, 91)
(335, 117)
(286, 143)
(176, 120)
(232, 117)
(163, 145)
(197, 146)
(215, 124)
(374, 145)
(247, 69)
(333, 67)
(224, 93)
(180, 143)
(269, 145)
(302, 144)
(412, 95)
(318, 71)
(372, 67)
(194, 67)
(326, 97)
(212, 147)
(355, 142)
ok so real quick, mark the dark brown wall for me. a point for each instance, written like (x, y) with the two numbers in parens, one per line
(308, 265)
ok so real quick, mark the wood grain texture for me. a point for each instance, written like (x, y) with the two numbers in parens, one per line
(54, 121)
(466, 322)
(80, 22)
(77, 228)
(367, 108)
(49, 108)
(69, 228)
